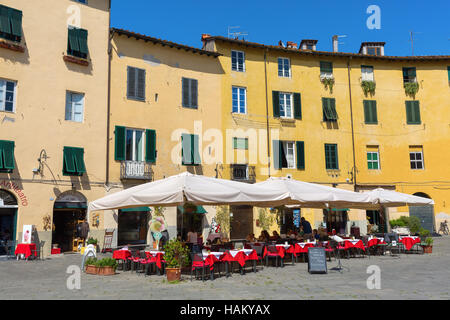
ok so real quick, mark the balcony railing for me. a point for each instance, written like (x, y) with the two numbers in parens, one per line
(136, 170)
(243, 173)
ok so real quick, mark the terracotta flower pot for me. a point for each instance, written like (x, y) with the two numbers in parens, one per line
(427, 249)
(106, 271)
(173, 274)
(91, 269)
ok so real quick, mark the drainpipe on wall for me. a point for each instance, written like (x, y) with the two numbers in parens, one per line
(108, 117)
(351, 117)
(267, 112)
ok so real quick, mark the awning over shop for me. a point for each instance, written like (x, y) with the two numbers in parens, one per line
(195, 209)
(140, 209)
(70, 205)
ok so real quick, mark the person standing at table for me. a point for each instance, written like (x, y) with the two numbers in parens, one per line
(192, 237)
(306, 228)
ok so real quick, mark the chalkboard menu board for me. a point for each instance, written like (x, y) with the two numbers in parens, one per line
(317, 260)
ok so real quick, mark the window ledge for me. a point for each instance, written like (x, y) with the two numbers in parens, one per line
(14, 47)
(76, 60)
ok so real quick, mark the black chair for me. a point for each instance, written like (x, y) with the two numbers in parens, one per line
(259, 251)
(10, 248)
(272, 253)
(198, 263)
(38, 252)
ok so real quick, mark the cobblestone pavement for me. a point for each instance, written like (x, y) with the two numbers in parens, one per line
(410, 276)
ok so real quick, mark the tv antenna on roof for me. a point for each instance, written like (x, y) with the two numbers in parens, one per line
(336, 42)
(235, 34)
(412, 40)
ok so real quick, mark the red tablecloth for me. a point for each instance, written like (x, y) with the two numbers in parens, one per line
(240, 256)
(375, 242)
(211, 258)
(302, 247)
(121, 254)
(348, 244)
(26, 249)
(281, 250)
(409, 242)
(56, 251)
(156, 256)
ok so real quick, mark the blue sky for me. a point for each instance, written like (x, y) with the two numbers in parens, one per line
(292, 20)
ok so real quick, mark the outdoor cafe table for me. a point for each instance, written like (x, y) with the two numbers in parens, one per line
(375, 241)
(241, 257)
(27, 249)
(409, 241)
(157, 257)
(349, 244)
(122, 254)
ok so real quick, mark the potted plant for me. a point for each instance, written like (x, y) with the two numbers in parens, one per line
(176, 256)
(428, 246)
(91, 266)
(107, 266)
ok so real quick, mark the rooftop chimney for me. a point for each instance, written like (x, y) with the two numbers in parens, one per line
(291, 45)
(335, 44)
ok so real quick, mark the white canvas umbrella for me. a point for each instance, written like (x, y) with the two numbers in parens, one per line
(195, 189)
(388, 198)
(313, 195)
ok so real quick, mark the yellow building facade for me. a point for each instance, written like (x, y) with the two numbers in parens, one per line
(53, 84)
(160, 91)
(328, 131)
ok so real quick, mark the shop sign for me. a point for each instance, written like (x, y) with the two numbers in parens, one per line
(9, 185)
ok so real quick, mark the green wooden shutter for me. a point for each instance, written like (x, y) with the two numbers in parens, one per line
(297, 106)
(196, 159)
(448, 71)
(194, 93)
(412, 112)
(69, 167)
(5, 26)
(186, 146)
(276, 104)
(120, 147)
(78, 155)
(73, 40)
(185, 92)
(300, 155)
(150, 146)
(331, 156)
(329, 109)
(370, 112)
(7, 155)
(16, 22)
(82, 40)
(326, 67)
(140, 86)
(131, 85)
(277, 154)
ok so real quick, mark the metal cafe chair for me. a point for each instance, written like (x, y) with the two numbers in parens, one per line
(10, 247)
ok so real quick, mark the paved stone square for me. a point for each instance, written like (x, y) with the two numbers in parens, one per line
(410, 276)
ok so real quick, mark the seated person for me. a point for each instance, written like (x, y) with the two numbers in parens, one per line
(251, 237)
(315, 235)
(264, 237)
(275, 236)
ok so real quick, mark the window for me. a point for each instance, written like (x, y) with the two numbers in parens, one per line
(239, 100)
(10, 24)
(373, 158)
(82, 1)
(240, 143)
(6, 156)
(190, 149)
(448, 72)
(409, 75)
(370, 112)
(284, 67)
(134, 147)
(136, 84)
(189, 93)
(74, 106)
(133, 144)
(7, 95)
(238, 61)
(375, 51)
(284, 154)
(331, 157)
(367, 73)
(286, 105)
(73, 163)
(416, 157)
(326, 69)
(329, 109)
(77, 44)
(413, 112)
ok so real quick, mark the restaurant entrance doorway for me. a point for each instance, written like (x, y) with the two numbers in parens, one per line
(8, 220)
(241, 222)
(336, 219)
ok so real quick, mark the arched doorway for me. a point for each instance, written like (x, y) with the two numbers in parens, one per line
(8, 219)
(424, 213)
(69, 212)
